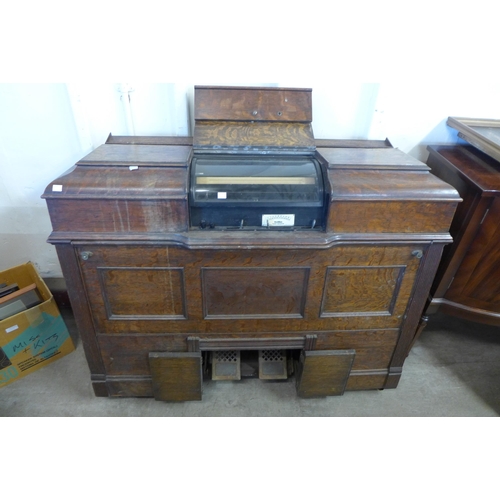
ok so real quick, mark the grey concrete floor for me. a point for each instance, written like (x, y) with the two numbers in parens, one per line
(452, 371)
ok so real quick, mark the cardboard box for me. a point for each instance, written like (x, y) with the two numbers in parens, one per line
(34, 337)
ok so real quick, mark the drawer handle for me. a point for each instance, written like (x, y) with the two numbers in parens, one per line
(85, 255)
(418, 254)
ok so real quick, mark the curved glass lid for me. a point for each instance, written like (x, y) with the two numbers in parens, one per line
(256, 179)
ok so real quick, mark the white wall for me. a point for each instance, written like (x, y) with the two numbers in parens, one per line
(46, 128)
(38, 141)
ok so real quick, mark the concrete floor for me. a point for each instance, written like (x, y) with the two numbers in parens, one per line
(453, 370)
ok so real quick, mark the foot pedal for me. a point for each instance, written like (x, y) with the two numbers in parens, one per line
(272, 364)
(226, 365)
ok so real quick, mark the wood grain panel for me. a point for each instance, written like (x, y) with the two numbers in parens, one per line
(480, 170)
(143, 293)
(250, 136)
(374, 348)
(390, 217)
(138, 154)
(254, 293)
(275, 300)
(130, 387)
(262, 104)
(176, 376)
(95, 183)
(383, 158)
(142, 387)
(476, 283)
(351, 291)
(366, 379)
(80, 307)
(128, 354)
(323, 373)
(118, 216)
(124, 355)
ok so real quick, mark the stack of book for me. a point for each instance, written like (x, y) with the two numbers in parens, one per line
(14, 300)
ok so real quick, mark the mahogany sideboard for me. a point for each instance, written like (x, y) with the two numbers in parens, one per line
(154, 296)
(467, 283)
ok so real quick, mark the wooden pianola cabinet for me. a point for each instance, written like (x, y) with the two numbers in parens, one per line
(153, 295)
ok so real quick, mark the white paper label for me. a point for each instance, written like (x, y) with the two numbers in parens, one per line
(57, 188)
(221, 195)
(11, 329)
(133, 167)
(277, 220)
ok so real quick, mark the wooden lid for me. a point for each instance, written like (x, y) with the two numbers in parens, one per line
(253, 119)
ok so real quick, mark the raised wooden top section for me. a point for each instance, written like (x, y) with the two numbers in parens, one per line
(361, 174)
(252, 104)
(111, 182)
(248, 120)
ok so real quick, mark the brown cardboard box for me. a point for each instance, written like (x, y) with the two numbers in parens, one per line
(32, 338)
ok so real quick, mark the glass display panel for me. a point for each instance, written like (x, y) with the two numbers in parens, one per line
(256, 180)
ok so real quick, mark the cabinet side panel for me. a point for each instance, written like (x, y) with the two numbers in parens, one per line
(79, 304)
(477, 282)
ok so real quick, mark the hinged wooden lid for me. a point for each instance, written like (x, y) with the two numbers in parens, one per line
(246, 119)
(483, 134)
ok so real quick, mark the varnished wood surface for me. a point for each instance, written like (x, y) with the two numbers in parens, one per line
(352, 143)
(154, 292)
(83, 317)
(150, 140)
(323, 373)
(385, 158)
(423, 282)
(212, 280)
(119, 200)
(250, 136)
(479, 170)
(188, 141)
(467, 280)
(477, 283)
(176, 376)
(410, 217)
(226, 240)
(118, 216)
(380, 185)
(120, 183)
(251, 292)
(248, 104)
(139, 154)
(127, 353)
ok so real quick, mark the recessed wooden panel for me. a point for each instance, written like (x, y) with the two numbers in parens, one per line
(143, 293)
(370, 290)
(254, 292)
